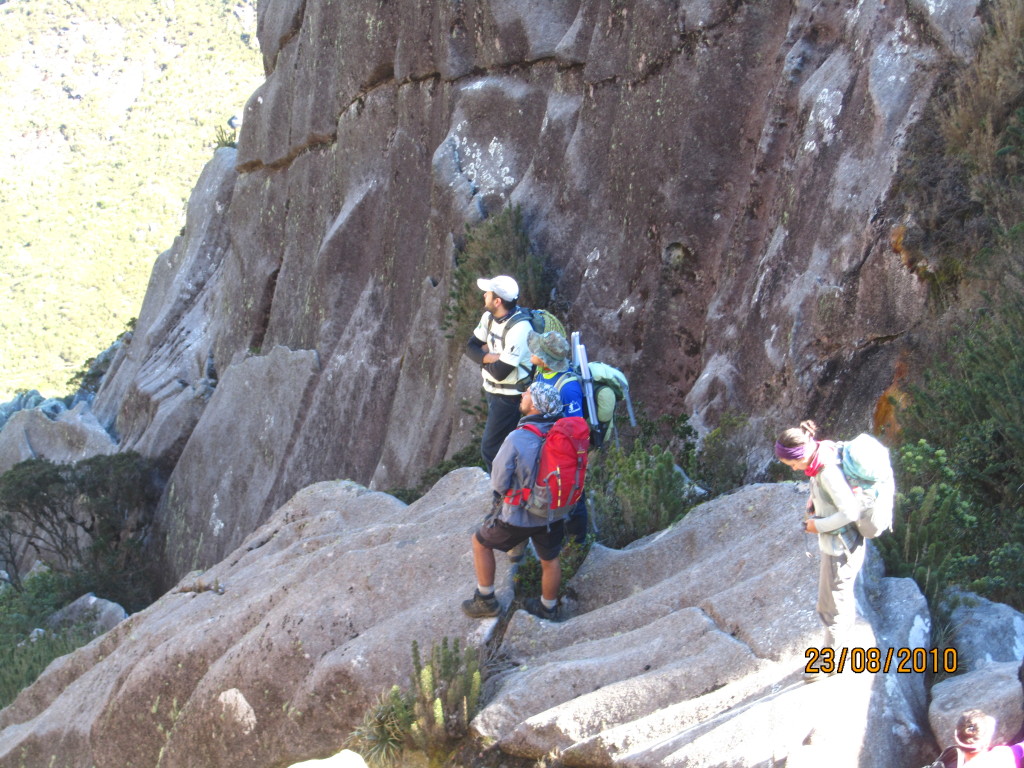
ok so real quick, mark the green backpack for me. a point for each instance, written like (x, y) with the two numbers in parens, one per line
(865, 464)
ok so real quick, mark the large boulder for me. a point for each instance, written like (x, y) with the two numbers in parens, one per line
(64, 438)
(686, 646)
(712, 181)
(994, 688)
(981, 631)
(90, 613)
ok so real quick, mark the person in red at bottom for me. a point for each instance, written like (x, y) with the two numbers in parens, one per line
(509, 523)
(831, 511)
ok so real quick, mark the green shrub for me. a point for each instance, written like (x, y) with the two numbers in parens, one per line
(720, 466)
(930, 519)
(23, 662)
(497, 246)
(960, 517)
(635, 492)
(22, 611)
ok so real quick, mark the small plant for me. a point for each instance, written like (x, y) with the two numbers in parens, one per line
(446, 699)
(433, 718)
(224, 138)
(380, 738)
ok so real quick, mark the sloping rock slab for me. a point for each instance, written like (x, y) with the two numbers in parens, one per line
(689, 652)
(272, 656)
(685, 648)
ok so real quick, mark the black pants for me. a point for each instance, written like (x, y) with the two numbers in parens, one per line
(502, 417)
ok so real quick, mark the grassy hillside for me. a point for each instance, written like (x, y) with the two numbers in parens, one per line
(109, 112)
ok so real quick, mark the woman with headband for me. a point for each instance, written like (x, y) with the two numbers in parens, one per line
(831, 511)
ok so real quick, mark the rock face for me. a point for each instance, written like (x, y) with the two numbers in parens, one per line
(710, 179)
(685, 648)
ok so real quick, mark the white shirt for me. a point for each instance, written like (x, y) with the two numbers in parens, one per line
(514, 351)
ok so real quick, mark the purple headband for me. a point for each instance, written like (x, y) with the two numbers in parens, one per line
(790, 453)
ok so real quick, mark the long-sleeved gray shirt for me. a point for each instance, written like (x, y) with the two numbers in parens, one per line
(515, 468)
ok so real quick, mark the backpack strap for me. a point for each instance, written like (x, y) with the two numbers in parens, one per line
(564, 377)
(517, 497)
(520, 314)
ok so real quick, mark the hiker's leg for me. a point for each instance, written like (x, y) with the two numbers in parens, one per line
(483, 562)
(837, 602)
(502, 417)
(547, 541)
(550, 579)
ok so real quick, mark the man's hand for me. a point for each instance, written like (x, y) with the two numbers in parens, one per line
(809, 525)
(491, 357)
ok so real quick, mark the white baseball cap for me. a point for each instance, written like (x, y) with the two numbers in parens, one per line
(502, 286)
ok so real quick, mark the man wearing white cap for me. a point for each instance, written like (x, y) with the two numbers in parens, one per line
(498, 345)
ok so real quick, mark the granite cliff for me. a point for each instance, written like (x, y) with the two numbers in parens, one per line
(713, 180)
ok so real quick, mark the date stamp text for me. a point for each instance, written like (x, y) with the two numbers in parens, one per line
(899, 660)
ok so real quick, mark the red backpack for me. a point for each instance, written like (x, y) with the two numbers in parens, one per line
(561, 469)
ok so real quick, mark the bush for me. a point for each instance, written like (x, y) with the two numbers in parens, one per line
(962, 508)
(719, 466)
(497, 246)
(633, 493)
(931, 515)
(22, 611)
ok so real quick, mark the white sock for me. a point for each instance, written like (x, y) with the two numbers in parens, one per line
(549, 604)
(485, 591)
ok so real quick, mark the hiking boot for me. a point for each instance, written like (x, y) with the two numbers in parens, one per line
(537, 608)
(481, 607)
